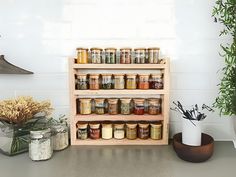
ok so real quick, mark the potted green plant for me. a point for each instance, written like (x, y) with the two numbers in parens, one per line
(224, 12)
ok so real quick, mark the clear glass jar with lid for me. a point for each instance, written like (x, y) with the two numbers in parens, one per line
(107, 131)
(139, 107)
(40, 146)
(131, 81)
(113, 106)
(96, 55)
(119, 81)
(156, 130)
(99, 106)
(82, 55)
(60, 137)
(94, 130)
(143, 81)
(119, 130)
(154, 55)
(125, 55)
(154, 106)
(106, 81)
(131, 131)
(156, 81)
(82, 82)
(143, 130)
(110, 55)
(94, 82)
(82, 131)
(85, 106)
(140, 55)
(125, 107)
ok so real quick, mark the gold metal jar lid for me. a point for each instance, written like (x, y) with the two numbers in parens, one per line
(96, 48)
(94, 125)
(154, 48)
(80, 48)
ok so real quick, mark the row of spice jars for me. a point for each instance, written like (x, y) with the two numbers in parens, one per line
(119, 81)
(123, 106)
(119, 130)
(123, 56)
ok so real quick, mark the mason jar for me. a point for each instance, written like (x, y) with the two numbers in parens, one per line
(154, 106)
(107, 131)
(119, 131)
(131, 131)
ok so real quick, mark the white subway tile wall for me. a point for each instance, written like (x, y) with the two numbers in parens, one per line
(40, 35)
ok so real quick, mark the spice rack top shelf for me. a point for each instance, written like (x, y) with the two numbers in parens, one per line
(119, 117)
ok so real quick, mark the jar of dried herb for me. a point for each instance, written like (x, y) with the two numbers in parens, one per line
(94, 130)
(82, 131)
(110, 55)
(94, 81)
(125, 106)
(154, 106)
(85, 106)
(82, 55)
(99, 106)
(131, 81)
(106, 81)
(139, 106)
(113, 106)
(140, 55)
(156, 81)
(107, 131)
(119, 82)
(81, 82)
(143, 130)
(156, 131)
(131, 131)
(96, 55)
(154, 55)
(143, 81)
(125, 55)
(119, 131)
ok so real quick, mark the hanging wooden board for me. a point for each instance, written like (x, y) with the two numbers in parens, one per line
(8, 68)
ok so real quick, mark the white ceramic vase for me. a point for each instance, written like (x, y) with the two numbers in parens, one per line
(191, 132)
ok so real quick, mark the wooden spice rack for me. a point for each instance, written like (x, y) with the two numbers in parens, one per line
(74, 94)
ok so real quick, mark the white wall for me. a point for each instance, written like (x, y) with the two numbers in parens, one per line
(40, 35)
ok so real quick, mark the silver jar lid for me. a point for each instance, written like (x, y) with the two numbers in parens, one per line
(40, 133)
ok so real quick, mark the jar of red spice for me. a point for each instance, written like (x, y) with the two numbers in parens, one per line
(156, 81)
(143, 131)
(94, 130)
(143, 81)
(125, 55)
(154, 106)
(94, 81)
(139, 106)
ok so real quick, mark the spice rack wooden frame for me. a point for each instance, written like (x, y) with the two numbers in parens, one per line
(74, 94)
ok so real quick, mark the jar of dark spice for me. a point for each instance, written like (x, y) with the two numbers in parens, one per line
(81, 82)
(106, 81)
(99, 106)
(131, 131)
(125, 106)
(113, 106)
(143, 81)
(125, 55)
(94, 81)
(154, 55)
(96, 55)
(110, 55)
(143, 130)
(139, 106)
(82, 132)
(140, 55)
(156, 81)
(131, 81)
(119, 82)
(154, 106)
(156, 131)
(94, 131)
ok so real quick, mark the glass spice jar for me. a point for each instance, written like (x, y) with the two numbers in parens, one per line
(82, 132)
(143, 130)
(119, 82)
(81, 82)
(125, 55)
(113, 106)
(82, 55)
(107, 131)
(154, 106)
(85, 106)
(139, 106)
(94, 130)
(156, 131)
(153, 55)
(156, 81)
(60, 137)
(125, 106)
(96, 55)
(143, 81)
(110, 55)
(131, 81)
(106, 81)
(119, 131)
(140, 55)
(94, 81)
(40, 146)
(99, 106)
(131, 131)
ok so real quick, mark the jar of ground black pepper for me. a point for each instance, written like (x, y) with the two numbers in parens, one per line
(156, 131)
(119, 131)
(125, 55)
(107, 131)
(139, 106)
(156, 81)
(113, 106)
(154, 106)
(82, 55)
(94, 81)
(82, 131)
(143, 130)
(99, 106)
(125, 107)
(85, 106)
(140, 55)
(143, 81)
(96, 55)
(131, 131)
(131, 81)
(106, 81)
(94, 131)
(119, 81)
(81, 82)
(110, 55)
(153, 55)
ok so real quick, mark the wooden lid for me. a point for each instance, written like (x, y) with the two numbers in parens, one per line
(140, 49)
(99, 100)
(131, 125)
(144, 75)
(119, 125)
(131, 75)
(96, 48)
(139, 100)
(80, 48)
(154, 48)
(113, 100)
(105, 74)
(126, 48)
(159, 75)
(118, 75)
(143, 125)
(125, 100)
(156, 125)
(94, 75)
(81, 75)
(154, 100)
(107, 125)
(94, 125)
(85, 99)
(82, 125)
(110, 48)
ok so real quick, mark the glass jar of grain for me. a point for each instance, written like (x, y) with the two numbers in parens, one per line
(85, 106)
(153, 55)
(82, 55)
(154, 106)
(96, 55)
(131, 131)
(125, 55)
(131, 81)
(125, 107)
(94, 81)
(143, 81)
(110, 55)
(99, 106)
(119, 81)
(156, 131)
(140, 55)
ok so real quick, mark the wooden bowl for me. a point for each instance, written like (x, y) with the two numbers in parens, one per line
(194, 153)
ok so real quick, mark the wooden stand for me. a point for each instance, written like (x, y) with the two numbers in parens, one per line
(148, 68)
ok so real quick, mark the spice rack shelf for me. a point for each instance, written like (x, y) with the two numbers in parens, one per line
(164, 94)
